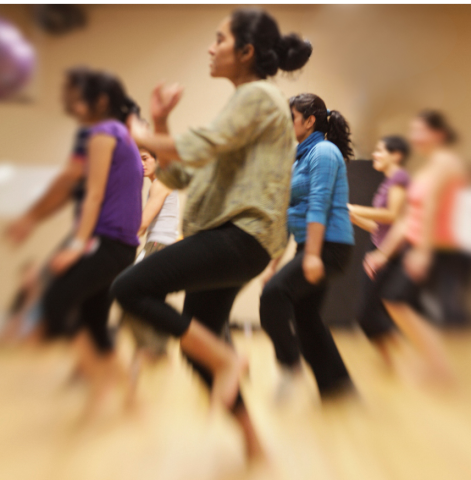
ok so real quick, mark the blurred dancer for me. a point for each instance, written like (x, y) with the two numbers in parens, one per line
(390, 154)
(319, 220)
(160, 224)
(420, 239)
(104, 239)
(234, 219)
(68, 185)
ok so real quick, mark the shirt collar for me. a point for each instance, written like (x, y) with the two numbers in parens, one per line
(308, 143)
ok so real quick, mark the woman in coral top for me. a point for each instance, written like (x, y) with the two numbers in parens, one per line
(420, 239)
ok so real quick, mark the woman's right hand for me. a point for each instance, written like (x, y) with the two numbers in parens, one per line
(163, 101)
(373, 262)
(137, 128)
(19, 230)
(268, 274)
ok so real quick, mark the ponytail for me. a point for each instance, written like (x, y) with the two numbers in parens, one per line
(331, 123)
(129, 107)
(338, 132)
(95, 84)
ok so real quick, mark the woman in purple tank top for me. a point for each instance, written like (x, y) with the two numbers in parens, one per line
(388, 202)
(104, 240)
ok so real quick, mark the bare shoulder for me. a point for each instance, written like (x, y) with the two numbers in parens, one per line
(158, 188)
(447, 158)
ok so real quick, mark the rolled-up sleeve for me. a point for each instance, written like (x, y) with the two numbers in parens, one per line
(242, 120)
(175, 176)
(323, 168)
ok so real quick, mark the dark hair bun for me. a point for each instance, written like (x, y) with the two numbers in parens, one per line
(253, 26)
(293, 52)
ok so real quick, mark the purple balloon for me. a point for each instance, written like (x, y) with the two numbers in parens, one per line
(17, 60)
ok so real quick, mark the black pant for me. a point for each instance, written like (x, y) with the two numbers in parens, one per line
(290, 314)
(211, 266)
(82, 292)
(373, 317)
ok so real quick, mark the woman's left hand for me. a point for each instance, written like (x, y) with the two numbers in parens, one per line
(352, 208)
(417, 263)
(138, 129)
(313, 268)
(64, 259)
(163, 100)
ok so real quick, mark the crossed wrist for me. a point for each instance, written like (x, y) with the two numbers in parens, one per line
(76, 244)
(383, 253)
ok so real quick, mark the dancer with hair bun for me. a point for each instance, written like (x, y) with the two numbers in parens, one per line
(319, 220)
(235, 215)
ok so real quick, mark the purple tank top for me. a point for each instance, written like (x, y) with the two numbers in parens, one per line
(380, 200)
(121, 210)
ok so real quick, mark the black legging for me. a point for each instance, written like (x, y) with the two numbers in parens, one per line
(81, 294)
(373, 316)
(211, 266)
(290, 314)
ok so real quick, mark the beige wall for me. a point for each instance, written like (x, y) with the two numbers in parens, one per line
(376, 64)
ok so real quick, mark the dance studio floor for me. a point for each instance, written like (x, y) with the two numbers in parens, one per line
(398, 428)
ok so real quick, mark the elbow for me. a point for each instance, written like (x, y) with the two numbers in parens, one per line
(316, 216)
(142, 229)
(390, 218)
(95, 198)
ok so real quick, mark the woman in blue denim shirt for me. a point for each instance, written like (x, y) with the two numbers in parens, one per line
(318, 218)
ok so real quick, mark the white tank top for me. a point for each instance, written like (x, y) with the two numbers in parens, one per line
(164, 227)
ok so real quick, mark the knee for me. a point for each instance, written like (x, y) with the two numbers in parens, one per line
(394, 305)
(122, 289)
(54, 311)
(271, 295)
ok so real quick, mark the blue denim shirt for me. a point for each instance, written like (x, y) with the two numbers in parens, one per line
(319, 191)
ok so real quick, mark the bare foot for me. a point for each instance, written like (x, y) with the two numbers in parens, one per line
(227, 380)
(254, 449)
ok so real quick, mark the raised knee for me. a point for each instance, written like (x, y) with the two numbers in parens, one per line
(121, 289)
(270, 294)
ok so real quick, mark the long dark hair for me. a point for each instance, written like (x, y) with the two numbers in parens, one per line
(273, 51)
(76, 75)
(437, 121)
(95, 84)
(331, 123)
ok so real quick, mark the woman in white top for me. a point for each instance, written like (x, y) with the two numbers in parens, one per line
(160, 223)
(160, 215)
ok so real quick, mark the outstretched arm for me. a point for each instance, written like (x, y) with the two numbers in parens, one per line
(58, 193)
(396, 200)
(364, 223)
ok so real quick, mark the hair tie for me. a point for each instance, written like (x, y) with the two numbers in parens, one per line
(328, 112)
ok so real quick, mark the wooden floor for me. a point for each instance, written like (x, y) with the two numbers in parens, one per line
(397, 428)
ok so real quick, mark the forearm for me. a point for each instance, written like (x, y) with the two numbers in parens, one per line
(56, 196)
(161, 126)
(314, 238)
(394, 239)
(381, 215)
(364, 223)
(89, 218)
(162, 144)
